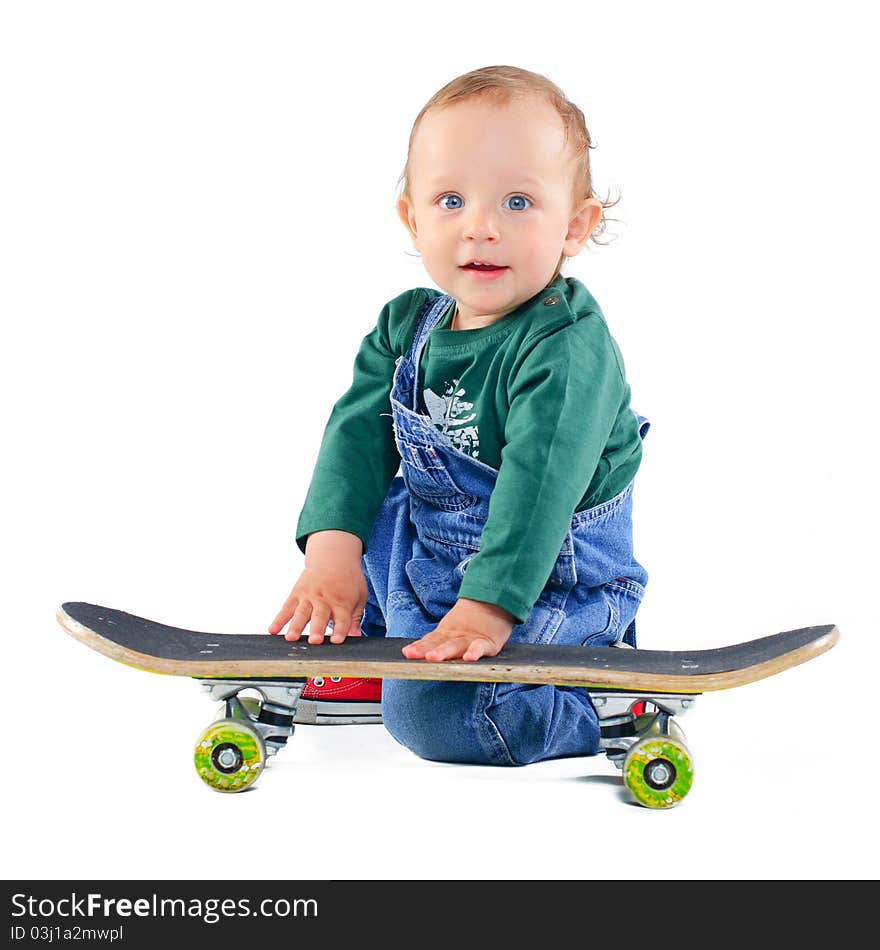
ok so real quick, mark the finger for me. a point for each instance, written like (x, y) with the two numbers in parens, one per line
(341, 625)
(451, 649)
(318, 623)
(418, 648)
(356, 618)
(299, 620)
(283, 615)
(479, 648)
(424, 649)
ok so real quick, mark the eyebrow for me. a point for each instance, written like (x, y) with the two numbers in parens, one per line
(437, 180)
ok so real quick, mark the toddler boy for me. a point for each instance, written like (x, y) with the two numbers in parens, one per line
(502, 400)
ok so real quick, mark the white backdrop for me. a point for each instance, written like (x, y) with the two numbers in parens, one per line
(184, 184)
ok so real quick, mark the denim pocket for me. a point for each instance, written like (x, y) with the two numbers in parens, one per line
(435, 583)
(428, 478)
(602, 539)
(622, 598)
(611, 634)
(461, 567)
(601, 512)
(451, 535)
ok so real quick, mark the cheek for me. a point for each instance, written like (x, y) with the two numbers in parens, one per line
(544, 235)
(436, 238)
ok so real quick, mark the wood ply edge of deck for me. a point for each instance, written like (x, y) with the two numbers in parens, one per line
(460, 671)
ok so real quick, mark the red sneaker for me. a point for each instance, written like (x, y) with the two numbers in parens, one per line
(339, 700)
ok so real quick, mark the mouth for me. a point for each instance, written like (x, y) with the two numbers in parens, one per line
(484, 270)
(479, 265)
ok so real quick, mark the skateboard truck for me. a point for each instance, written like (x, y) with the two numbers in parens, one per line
(640, 736)
(231, 752)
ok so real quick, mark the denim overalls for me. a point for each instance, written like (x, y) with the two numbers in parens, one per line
(426, 532)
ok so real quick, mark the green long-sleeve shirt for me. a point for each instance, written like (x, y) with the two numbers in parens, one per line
(540, 395)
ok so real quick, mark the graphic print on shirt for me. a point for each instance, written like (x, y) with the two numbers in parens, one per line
(452, 416)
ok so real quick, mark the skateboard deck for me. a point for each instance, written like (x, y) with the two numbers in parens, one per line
(636, 693)
(159, 648)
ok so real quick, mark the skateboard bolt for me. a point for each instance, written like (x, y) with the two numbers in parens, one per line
(227, 759)
(660, 774)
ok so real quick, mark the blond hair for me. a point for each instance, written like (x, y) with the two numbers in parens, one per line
(501, 84)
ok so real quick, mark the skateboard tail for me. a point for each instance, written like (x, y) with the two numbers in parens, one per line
(130, 658)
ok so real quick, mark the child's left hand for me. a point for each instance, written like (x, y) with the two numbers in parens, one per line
(470, 630)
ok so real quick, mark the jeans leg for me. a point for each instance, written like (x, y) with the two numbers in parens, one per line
(489, 723)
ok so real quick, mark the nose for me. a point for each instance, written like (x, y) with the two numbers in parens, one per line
(481, 224)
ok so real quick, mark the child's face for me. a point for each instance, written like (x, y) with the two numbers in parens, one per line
(494, 183)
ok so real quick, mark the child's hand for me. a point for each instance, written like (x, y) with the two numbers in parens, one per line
(470, 630)
(332, 587)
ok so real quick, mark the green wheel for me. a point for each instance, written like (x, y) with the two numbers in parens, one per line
(658, 771)
(229, 755)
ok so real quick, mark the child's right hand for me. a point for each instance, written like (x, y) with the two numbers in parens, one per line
(331, 587)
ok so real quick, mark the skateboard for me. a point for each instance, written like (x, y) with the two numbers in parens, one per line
(636, 693)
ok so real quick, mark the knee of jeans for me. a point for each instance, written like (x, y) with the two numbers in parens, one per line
(421, 715)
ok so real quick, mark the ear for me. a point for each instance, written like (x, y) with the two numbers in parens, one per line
(581, 226)
(407, 215)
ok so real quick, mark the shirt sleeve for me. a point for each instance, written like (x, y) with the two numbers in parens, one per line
(358, 457)
(564, 396)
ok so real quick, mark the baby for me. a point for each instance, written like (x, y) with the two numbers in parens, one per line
(502, 402)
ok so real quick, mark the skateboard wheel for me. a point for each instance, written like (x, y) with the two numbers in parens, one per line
(229, 755)
(658, 771)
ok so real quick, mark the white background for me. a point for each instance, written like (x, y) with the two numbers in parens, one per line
(186, 185)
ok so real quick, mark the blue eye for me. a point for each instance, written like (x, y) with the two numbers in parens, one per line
(517, 203)
(453, 198)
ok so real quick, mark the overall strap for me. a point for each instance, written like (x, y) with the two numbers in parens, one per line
(429, 317)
